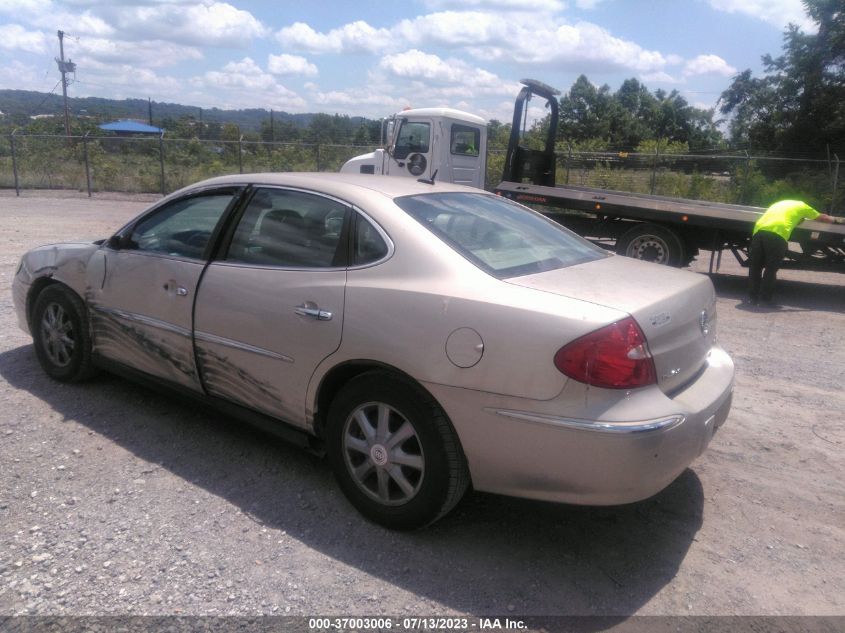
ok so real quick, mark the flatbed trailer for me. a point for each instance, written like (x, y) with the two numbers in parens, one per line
(655, 228)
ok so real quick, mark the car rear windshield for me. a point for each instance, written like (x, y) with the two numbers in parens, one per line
(499, 236)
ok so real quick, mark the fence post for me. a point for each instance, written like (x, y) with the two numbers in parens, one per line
(15, 164)
(654, 167)
(87, 168)
(744, 191)
(568, 159)
(161, 160)
(240, 154)
(835, 183)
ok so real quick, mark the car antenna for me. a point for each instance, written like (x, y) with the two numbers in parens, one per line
(428, 181)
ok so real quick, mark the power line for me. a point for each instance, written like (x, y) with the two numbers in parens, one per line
(47, 96)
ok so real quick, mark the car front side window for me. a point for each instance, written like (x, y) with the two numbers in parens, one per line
(182, 228)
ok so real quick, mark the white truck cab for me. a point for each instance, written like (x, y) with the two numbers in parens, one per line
(423, 141)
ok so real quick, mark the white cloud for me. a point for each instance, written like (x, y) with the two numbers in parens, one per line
(506, 5)
(455, 29)
(492, 37)
(16, 37)
(290, 65)
(416, 65)
(659, 77)
(123, 81)
(243, 84)
(194, 23)
(778, 13)
(23, 6)
(147, 54)
(25, 77)
(355, 37)
(708, 65)
(587, 4)
(354, 97)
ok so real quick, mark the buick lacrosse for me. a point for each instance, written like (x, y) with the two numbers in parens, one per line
(427, 337)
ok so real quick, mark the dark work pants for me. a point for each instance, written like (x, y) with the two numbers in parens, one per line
(767, 252)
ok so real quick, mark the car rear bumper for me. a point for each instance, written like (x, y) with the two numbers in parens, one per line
(613, 455)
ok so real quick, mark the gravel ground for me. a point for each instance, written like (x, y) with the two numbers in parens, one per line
(117, 500)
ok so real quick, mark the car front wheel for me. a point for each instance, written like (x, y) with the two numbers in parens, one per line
(61, 336)
(394, 453)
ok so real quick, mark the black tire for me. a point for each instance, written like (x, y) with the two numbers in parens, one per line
(405, 485)
(61, 334)
(653, 243)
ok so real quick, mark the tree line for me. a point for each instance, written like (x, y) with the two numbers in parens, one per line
(796, 106)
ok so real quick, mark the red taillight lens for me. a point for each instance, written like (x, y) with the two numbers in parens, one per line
(615, 357)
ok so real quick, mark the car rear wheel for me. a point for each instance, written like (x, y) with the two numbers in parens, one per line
(393, 452)
(61, 335)
(653, 243)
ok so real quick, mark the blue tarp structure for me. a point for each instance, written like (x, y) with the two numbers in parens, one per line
(130, 127)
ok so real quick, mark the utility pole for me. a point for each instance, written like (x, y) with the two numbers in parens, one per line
(65, 67)
(150, 110)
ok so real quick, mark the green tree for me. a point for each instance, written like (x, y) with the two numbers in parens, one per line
(624, 119)
(585, 111)
(800, 100)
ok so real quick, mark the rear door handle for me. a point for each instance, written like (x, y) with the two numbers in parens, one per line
(320, 315)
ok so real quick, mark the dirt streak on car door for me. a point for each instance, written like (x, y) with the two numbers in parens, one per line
(142, 310)
(261, 332)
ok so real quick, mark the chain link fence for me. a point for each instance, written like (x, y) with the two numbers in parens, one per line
(742, 178)
(152, 164)
(158, 164)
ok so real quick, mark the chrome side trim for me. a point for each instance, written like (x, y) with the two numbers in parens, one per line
(626, 428)
(244, 347)
(144, 320)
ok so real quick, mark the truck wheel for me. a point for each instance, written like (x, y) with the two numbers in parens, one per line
(61, 336)
(393, 452)
(653, 243)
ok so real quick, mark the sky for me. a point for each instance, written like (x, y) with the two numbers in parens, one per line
(373, 58)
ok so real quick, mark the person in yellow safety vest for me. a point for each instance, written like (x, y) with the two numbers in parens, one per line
(769, 244)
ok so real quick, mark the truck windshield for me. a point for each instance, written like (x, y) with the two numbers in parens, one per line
(499, 236)
(413, 137)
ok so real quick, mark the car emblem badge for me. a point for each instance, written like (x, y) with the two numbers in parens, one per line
(657, 320)
(704, 322)
(379, 455)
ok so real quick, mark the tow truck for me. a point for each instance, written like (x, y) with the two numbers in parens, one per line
(451, 145)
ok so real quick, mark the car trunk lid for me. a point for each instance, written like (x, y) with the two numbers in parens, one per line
(675, 309)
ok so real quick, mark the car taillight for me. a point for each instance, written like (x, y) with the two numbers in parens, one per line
(614, 357)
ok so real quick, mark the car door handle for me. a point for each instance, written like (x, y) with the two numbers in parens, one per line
(180, 291)
(320, 315)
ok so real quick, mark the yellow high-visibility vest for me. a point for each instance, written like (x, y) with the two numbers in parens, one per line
(782, 217)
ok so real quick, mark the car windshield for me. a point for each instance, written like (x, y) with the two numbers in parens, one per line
(499, 236)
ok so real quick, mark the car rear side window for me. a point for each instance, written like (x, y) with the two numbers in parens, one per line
(499, 236)
(291, 229)
(369, 245)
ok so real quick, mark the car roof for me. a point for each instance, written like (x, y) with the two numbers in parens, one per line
(340, 185)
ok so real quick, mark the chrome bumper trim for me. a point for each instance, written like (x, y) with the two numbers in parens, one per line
(627, 428)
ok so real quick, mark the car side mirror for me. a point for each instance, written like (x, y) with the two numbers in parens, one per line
(119, 242)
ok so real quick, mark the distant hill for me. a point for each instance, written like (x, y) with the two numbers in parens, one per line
(19, 104)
